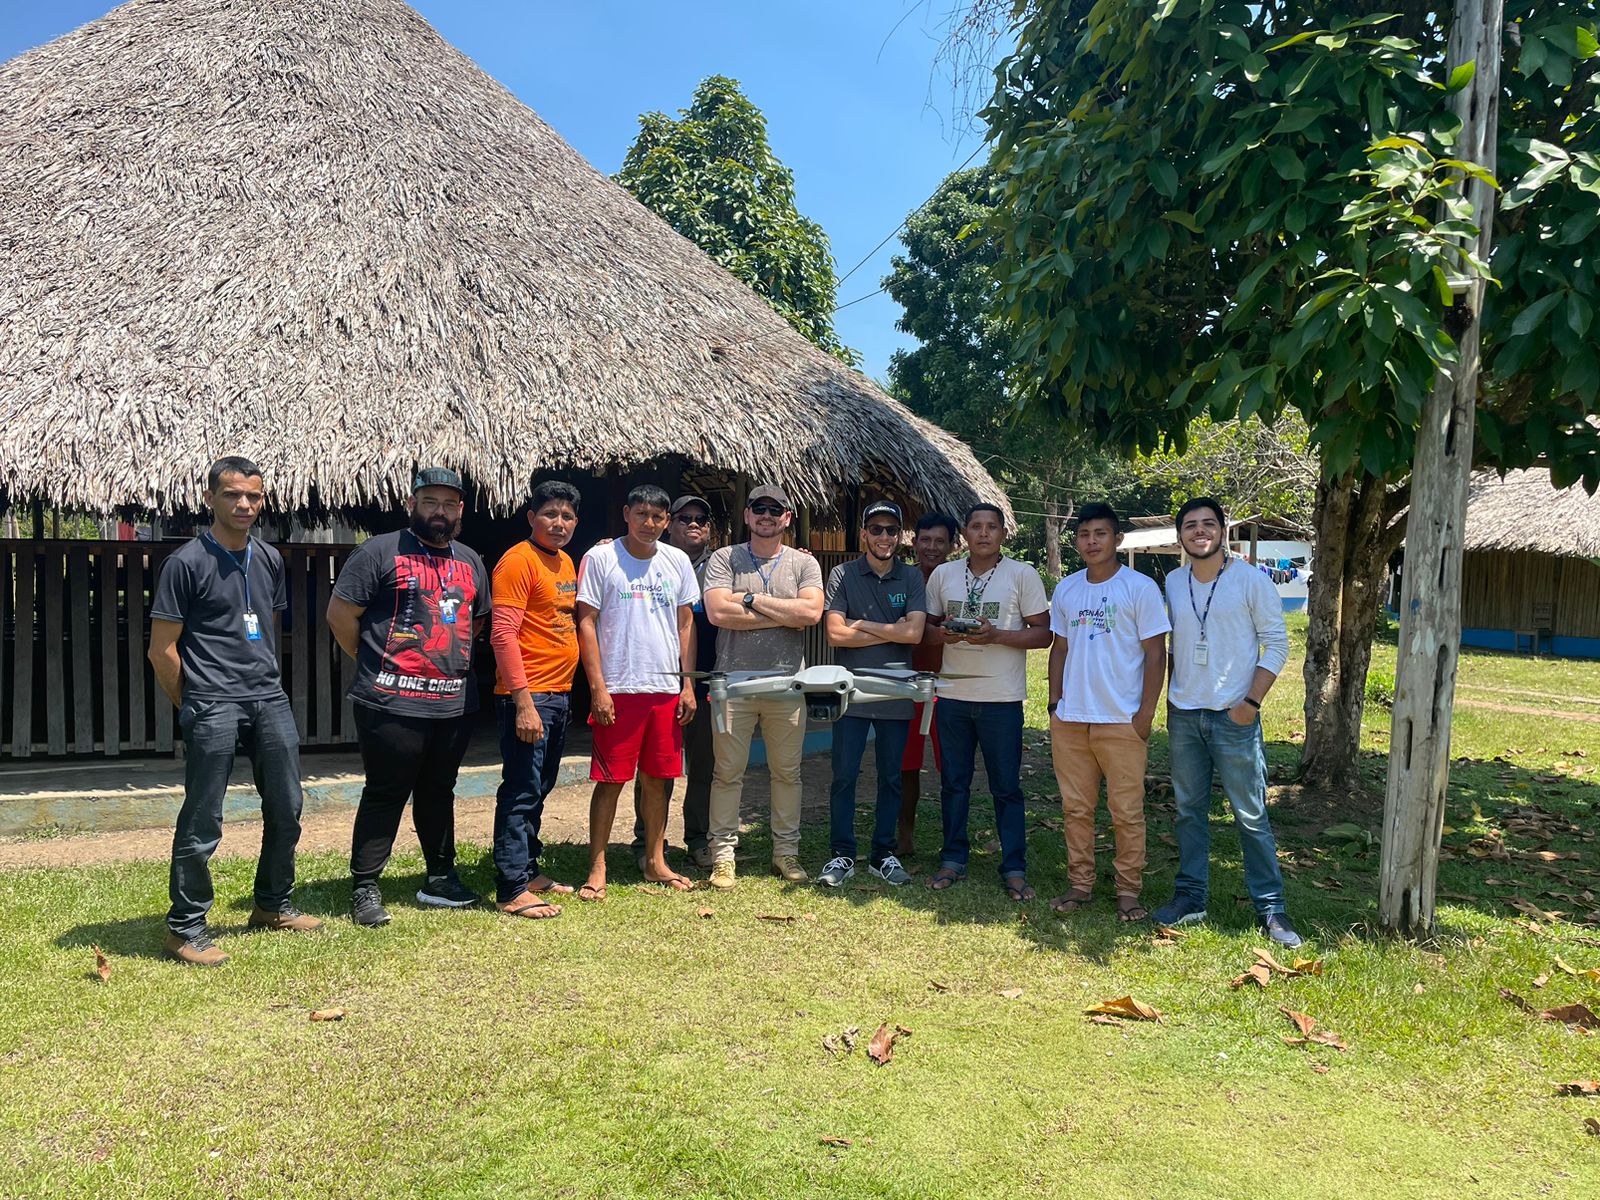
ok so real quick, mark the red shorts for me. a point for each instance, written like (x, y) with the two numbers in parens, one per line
(911, 760)
(645, 737)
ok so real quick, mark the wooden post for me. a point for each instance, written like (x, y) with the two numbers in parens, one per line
(1430, 598)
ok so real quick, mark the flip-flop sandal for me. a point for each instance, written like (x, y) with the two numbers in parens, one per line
(551, 887)
(535, 910)
(1132, 912)
(1020, 892)
(676, 882)
(590, 892)
(944, 879)
(1070, 901)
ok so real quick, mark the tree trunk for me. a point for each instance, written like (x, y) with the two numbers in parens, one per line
(1052, 535)
(1430, 597)
(1354, 533)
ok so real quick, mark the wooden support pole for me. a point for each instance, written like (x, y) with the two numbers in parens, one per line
(1430, 598)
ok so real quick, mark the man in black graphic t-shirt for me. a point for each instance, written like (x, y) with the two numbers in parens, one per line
(407, 607)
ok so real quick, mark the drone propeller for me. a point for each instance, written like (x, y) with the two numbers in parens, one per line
(894, 671)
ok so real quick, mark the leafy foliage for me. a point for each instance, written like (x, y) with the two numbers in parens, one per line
(1213, 207)
(711, 174)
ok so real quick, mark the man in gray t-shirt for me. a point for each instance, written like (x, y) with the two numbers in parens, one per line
(762, 596)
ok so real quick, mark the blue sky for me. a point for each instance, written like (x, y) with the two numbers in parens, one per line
(852, 100)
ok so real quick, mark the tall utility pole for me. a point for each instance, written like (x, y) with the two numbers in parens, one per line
(1430, 598)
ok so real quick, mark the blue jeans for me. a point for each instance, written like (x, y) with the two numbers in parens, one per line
(1200, 740)
(995, 726)
(849, 744)
(213, 730)
(527, 774)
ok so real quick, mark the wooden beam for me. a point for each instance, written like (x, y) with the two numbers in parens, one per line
(110, 659)
(26, 565)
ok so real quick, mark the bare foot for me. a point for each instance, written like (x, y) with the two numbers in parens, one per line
(592, 891)
(543, 883)
(1074, 899)
(672, 879)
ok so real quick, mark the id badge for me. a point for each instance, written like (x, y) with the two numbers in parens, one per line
(448, 615)
(252, 627)
(1202, 654)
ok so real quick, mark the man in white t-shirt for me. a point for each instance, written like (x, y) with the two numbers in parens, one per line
(991, 610)
(1106, 661)
(635, 607)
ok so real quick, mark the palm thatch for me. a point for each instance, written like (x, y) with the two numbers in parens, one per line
(1525, 512)
(312, 232)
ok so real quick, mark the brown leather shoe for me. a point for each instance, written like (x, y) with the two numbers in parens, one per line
(290, 918)
(196, 951)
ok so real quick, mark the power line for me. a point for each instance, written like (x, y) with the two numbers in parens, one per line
(899, 227)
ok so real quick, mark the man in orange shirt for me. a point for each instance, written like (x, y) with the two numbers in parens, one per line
(535, 643)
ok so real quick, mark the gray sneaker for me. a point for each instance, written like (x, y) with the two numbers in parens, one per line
(891, 872)
(837, 871)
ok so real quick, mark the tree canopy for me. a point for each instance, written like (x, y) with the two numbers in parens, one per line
(711, 174)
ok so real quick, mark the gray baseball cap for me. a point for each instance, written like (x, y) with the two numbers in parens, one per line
(437, 477)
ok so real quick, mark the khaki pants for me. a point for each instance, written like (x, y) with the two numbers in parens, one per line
(783, 729)
(1083, 755)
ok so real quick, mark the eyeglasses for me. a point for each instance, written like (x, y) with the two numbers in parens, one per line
(691, 519)
(768, 510)
(428, 504)
(883, 530)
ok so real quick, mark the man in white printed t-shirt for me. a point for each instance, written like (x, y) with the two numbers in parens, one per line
(635, 607)
(991, 610)
(1106, 663)
(1228, 646)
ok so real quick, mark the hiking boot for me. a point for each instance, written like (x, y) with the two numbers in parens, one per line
(366, 906)
(1277, 927)
(891, 872)
(288, 917)
(789, 867)
(839, 869)
(722, 874)
(447, 891)
(1180, 910)
(702, 857)
(196, 950)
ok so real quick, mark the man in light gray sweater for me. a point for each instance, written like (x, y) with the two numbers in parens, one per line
(1228, 646)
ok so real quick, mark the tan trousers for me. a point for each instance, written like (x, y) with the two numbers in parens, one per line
(1083, 755)
(783, 729)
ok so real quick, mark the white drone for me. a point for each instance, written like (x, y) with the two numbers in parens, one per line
(826, 691)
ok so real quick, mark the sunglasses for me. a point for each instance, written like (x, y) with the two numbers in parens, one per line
(883, 530)
(768, 510)
(690, 519)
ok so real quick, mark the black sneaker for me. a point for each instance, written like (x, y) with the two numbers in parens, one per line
(447, 891)
(366, 905)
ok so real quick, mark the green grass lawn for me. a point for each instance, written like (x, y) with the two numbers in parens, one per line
(635, 1048)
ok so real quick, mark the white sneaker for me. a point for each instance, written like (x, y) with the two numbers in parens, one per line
(891, 872)
(837, 871)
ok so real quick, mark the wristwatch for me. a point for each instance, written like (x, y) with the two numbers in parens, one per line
(1255, 704)
(749, 600)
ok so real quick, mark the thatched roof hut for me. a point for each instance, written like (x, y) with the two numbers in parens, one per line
(313, 232)
(1525, 512)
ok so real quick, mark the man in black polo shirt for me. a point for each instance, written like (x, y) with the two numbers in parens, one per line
(214, 647)
(408, 607)
(875, 614)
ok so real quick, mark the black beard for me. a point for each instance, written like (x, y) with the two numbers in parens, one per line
(423, 528)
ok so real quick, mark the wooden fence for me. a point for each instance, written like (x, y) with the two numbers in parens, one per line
(75, 623)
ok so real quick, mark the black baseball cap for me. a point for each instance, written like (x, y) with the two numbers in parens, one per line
(769, 491)
(882, 506)
(437, 477)
(690, 498)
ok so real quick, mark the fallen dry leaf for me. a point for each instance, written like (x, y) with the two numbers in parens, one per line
(1572, 1015)
(102, 967)
(1163, 942)
(1011, 993)
(328, 1014)
(1512, 998)
(1259, 975)
(1167, 931)
(1591, 1126)
(1579, 1087)
(1320, 1068)
(849, 1037)
(1540, 980)
(1568, 969)
(1528, 908)
(1266, 959)
(829, 1139)
(1308, 966)
(937, 986)
(1126, 1006)
(1302, 1021)
(1417, 989)
(1323, 1038)
(705, 912)
(1102, 1019)
(881, 1048)
(782, 918)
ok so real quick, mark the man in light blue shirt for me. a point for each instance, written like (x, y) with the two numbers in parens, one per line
(1228, 646)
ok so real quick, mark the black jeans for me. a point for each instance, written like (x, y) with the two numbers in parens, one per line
(700, 764)
(528, 772)
(407, 758)
(213, 731)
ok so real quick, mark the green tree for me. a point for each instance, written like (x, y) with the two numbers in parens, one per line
(711, 174)
(1228, 208)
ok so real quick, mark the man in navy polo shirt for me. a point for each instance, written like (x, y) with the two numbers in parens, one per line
(875, 611)
(214, 647)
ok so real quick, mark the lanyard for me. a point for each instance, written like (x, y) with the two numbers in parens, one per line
(441, 579)
(977, 586)
(766, 576)
(244, 567)
(1210, 596)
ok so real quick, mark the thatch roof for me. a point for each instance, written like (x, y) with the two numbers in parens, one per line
(1524, 511)
(312, 232)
